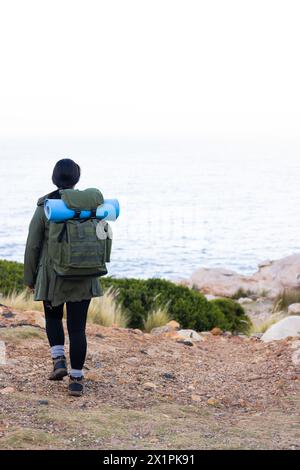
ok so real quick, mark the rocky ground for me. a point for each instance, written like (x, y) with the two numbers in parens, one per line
(147, 391)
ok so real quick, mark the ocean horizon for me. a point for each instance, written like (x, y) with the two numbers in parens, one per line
(184, 203)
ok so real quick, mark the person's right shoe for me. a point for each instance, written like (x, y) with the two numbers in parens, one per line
(59, 368)
(76, 387)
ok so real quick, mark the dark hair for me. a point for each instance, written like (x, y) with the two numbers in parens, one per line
(66, 173)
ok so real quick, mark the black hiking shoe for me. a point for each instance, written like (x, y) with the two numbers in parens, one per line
(59, 368)
(76, 386)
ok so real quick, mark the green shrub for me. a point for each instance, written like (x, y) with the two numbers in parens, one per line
(139, 297)
(235, 315)
(188, 307)
(11, 276)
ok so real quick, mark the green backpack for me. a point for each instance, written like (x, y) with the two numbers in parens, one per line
(80, 247)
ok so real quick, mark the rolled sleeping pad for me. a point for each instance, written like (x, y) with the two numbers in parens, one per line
(56, 210)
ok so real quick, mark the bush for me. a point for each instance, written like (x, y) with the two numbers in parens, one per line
(11, 277)
(139, 297)
(235, 315)
(188, 307)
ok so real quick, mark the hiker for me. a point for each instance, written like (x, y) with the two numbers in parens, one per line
(57, 285)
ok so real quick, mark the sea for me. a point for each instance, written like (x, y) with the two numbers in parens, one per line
(185, 203)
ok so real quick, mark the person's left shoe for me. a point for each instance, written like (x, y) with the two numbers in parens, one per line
(76, 386)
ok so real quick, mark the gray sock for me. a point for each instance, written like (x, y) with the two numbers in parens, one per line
(76, 373)
(58, 350)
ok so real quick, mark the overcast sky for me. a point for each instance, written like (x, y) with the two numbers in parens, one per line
(155, 67)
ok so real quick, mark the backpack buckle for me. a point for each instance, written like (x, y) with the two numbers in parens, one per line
(93, 214)
(77, 214)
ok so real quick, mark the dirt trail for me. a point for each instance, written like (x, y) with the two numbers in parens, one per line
(149, 392)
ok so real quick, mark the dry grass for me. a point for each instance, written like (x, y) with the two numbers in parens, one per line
(22, 301)
(263, 325)
(156, 318)
(286, 298)
(106, 311)
(21, 333)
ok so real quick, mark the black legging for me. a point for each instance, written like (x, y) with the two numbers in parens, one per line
(76, 321)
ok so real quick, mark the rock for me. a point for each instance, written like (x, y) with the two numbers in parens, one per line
(100, 335)
(213, 401)
(137, 331)
(205, 333)
(190, 335)
(170, 327)
(296, 357)
(144, 351)
(272, 277)
(168, 376)
(196, 398)
(216, 331)
(7, 390)
(2, 353)
(257, 335)
(160, 330)
(243, 336)
(187, 342)
(173, 324)
(173, 335)
(227, 333)
(289, 326)
(245, 300)
(131, 360)
(295, 344)
(294, 309)
(8, 314)
(149, 386)
(218, 282)
(43, 402)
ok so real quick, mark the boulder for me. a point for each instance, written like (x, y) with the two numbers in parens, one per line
(219, 282)
(289, 326)
(272, 278)
(294, 309)
(189, 335)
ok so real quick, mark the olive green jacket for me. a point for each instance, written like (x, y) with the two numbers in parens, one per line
(38, 271)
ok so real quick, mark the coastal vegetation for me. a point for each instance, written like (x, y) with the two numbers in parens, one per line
(138, 303)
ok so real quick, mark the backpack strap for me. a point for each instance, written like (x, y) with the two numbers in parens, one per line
(62, 232)
(93, 213)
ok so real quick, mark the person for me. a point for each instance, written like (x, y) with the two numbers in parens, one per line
(55, 292)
